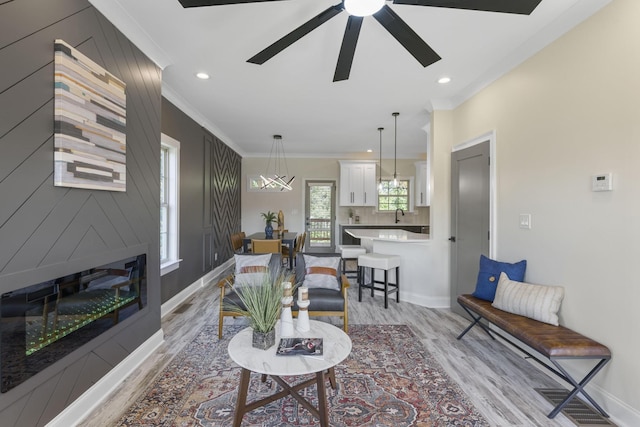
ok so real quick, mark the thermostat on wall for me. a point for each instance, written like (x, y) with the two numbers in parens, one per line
(603, 182)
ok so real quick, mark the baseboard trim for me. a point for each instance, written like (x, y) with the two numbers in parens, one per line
(421, 300)
(430, 302)
(91, 399)
(186, 293)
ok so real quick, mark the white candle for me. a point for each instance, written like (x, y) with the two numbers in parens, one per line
(287, 288)
(303, 293)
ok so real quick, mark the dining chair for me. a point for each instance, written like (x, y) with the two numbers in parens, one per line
(303, 241)
(236, 242)
(243, 236)
(296, 248)
(266, 246)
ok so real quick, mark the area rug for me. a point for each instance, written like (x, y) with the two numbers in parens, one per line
(389, 379)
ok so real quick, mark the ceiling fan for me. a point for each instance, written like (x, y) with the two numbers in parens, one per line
(385, 16)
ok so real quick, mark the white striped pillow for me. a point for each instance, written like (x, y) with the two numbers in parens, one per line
(537, 302)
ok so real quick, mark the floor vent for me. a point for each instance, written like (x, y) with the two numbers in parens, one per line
(577, 410)
(182, 308)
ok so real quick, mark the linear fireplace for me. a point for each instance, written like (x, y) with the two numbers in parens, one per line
(42, 323)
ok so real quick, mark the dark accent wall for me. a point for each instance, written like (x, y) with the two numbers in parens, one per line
(47, 231)
(209, 199)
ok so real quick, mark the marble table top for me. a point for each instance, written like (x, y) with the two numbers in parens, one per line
(336, 343)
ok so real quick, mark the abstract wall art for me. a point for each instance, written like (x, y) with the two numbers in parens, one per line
(90, 149)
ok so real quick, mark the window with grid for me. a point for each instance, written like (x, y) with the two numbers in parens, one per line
(169, 206)
(392, 197)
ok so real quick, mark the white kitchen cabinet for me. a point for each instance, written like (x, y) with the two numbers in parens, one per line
(358, 183)
(422, 184)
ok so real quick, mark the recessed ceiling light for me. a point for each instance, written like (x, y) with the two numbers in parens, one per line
(369, 150)
(203, 76)
(444, 80)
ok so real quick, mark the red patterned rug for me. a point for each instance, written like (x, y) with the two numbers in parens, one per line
(389, 379)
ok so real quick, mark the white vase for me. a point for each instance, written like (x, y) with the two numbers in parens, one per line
(303, 324)
(286, 318)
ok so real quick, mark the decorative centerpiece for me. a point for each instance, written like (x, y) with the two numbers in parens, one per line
(280, 222)
(286, 317)
(262, 302)
(303, 313)
(269, 217)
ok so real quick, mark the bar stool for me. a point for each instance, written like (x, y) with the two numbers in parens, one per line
(350, 253)
(376, 261)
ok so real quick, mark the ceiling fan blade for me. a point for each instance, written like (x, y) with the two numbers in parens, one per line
(522, 7)
(348, 49)
(295, 35)
(406, 36)
(200, 3)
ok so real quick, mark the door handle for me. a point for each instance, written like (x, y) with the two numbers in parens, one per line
(452, 239)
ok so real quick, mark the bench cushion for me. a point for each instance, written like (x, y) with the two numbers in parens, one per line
(551, 341)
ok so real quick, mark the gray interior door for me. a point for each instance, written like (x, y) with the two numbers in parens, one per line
(320, 201)
(470, 217)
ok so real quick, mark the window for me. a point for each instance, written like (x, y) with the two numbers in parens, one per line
(169, 204)
(392, 197)
(255, 183)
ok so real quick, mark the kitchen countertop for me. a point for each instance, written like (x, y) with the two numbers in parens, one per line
(389, 235)
(400, 224)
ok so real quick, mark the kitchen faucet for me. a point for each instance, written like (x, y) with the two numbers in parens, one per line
(397, 220)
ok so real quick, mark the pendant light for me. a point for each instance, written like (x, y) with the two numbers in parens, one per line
(395, 150)
(380, 161)
(275, 177)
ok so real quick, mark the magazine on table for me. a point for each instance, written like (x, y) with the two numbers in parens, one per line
(300, 347)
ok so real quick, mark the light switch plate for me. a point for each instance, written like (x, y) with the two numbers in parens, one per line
(525, 221)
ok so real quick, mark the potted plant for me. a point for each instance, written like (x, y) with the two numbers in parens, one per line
(261, 304)
(269, 217)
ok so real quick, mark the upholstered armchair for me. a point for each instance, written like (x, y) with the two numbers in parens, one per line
(321, 273)
(246, 264)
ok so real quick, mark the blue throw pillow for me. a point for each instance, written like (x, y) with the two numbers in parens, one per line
(490, 273)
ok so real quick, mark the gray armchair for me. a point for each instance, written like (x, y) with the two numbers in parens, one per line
(227, 295)
(324, 302)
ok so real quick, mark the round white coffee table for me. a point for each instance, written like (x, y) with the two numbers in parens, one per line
(336, 344)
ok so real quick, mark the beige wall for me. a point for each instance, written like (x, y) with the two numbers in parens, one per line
(570, 112)
(292, 202)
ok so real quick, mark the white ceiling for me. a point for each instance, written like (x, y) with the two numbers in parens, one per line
(293, 94)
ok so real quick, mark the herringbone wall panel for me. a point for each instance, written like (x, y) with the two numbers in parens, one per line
(47, 230)
(226, 198)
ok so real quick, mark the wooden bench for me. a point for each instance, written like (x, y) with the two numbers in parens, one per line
(554, 342)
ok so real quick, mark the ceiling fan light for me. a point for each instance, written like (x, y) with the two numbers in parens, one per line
(363, 7)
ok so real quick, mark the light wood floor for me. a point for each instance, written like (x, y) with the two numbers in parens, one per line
(499, 383)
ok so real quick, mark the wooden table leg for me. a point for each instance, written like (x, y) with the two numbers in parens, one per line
(332, 377)
(241, 402)
(322, 399)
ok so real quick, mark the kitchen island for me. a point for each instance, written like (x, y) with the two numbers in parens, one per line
(348, 239)
(415, 264)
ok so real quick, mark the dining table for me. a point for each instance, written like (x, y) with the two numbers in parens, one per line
(288, 238)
